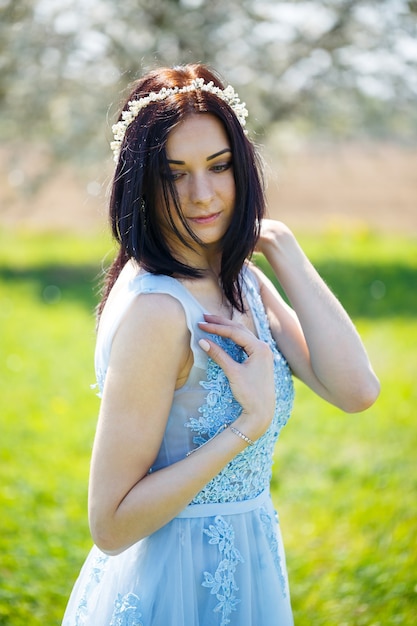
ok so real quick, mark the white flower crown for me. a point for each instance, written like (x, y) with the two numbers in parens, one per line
(228, 95)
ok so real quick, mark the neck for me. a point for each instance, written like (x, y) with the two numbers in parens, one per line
(206, 260)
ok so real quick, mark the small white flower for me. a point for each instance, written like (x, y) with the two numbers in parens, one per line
(228, 95)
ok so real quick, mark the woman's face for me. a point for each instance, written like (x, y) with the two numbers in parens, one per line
(201, 166)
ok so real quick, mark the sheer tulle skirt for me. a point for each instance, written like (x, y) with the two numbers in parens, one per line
(215, 564)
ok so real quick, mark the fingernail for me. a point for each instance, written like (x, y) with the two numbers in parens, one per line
(204, 345)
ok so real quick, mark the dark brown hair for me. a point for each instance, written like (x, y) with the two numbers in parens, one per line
(140, 178)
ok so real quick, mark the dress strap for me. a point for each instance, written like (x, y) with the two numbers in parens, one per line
(146, 283)
(159, 283)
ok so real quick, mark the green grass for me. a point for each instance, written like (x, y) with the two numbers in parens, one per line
(345, 485)
(346, 490)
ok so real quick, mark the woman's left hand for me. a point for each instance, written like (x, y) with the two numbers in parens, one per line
(316, 335)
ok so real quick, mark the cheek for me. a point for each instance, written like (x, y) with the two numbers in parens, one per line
(231, 193)
(226, 188)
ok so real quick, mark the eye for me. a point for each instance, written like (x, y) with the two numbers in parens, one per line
(221, 167)
(175, 175)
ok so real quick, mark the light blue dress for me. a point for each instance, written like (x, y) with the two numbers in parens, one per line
(221, 561)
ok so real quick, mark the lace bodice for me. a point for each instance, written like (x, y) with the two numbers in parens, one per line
(206, 403)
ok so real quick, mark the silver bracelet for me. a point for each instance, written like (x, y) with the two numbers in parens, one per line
(242, 436)
(223, 427)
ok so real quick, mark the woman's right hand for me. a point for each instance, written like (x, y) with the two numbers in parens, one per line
(251, 382)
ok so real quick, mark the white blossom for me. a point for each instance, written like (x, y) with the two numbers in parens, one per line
(228, 95)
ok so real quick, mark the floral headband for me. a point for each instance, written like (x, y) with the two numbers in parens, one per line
(228, 95)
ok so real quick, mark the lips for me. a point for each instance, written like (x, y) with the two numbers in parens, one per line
(205, 219)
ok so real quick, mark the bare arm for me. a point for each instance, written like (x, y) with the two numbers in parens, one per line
(125, 502)
(317, 336)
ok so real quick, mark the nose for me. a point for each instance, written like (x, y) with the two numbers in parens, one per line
(201, 191)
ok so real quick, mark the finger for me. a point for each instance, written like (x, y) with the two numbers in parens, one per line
(214, 321)
(218, 355)
(218, 319)
(241, 335)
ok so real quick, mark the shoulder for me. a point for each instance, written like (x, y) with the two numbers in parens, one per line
(140, 297)
(151, 338)
(152, 313)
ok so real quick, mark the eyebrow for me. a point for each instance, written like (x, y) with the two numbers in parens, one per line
(209, 158)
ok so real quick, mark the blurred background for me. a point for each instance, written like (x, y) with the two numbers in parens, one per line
(331, 88)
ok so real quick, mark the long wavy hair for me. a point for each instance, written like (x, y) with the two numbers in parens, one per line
(140, 179)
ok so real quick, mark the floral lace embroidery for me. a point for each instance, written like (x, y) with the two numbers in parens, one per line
(127, 611)
(96, 574)
(220, 407)
(269, 527)
(249, 472)
(223, 583)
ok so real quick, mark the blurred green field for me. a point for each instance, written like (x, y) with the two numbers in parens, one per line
(345, 485)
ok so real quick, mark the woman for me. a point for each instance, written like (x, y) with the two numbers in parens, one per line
(195, 351)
